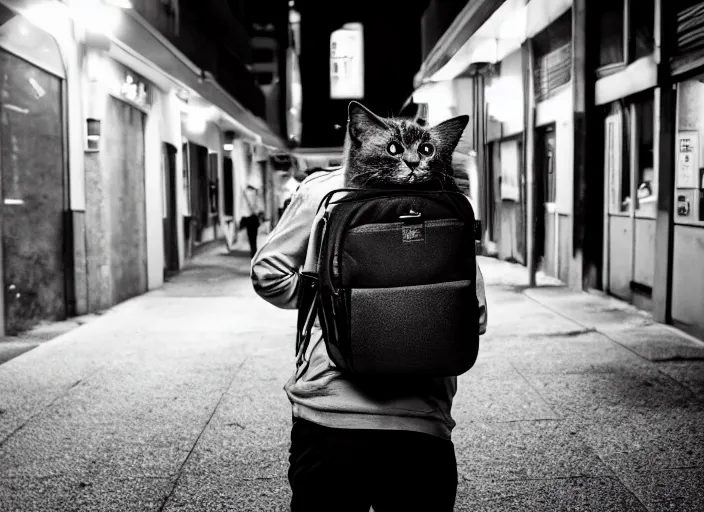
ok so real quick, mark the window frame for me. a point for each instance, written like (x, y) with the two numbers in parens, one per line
(628, 42)
(628, 148)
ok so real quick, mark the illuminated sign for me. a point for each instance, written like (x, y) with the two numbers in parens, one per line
(294, 97)
(136, 91)
(347, 62)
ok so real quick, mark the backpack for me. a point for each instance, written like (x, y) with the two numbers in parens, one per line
(393, 284)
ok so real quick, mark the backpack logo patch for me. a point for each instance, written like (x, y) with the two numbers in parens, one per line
(413, 232)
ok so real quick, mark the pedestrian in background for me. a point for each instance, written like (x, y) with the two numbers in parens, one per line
(253, 216)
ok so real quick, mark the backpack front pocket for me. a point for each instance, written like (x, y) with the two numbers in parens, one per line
(417, 330)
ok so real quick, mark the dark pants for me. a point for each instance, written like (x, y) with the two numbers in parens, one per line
(348, 470)
(251, 223)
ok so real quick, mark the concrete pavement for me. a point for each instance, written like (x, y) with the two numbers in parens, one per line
(173, 401)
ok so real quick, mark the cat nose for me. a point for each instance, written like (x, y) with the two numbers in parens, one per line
(411, 163)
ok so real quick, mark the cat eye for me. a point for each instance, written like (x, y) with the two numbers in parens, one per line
(394, 148)
(426, 149)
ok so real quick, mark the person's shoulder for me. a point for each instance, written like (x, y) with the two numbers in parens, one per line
(324, 180)
(314, 188)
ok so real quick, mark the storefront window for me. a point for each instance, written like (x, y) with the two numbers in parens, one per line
(642, 14)
(646, 179)
(611, 25)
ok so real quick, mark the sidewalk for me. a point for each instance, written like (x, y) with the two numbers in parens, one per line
(173, 401)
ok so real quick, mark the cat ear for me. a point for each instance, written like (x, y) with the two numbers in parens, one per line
(451, 130)
(360, 119)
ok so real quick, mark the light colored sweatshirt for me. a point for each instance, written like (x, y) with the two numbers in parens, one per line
(321, 394)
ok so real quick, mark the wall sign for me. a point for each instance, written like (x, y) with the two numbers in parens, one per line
(129, 86)
(135, 91)
(688, 159)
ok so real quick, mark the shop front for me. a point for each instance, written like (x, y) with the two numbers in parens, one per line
(687, 307)
(631, 198)
(35, 271)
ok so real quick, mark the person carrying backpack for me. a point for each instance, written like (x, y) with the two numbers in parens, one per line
(380, 301)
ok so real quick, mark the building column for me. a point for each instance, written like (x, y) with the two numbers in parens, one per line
(589, 169)
(585, 191)
(534, 207)
(665, 129)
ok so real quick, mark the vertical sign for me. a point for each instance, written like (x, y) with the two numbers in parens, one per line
(294, 97)
(347, 62)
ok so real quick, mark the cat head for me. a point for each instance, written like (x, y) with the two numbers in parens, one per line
(395, 152)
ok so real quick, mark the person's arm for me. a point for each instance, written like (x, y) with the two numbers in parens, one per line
(276, 265)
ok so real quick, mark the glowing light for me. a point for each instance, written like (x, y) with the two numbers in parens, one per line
(97, 17)
(228, 147)
(197, 119)
(52, 17)
(121, 4)
(505, 98)
(347, 62)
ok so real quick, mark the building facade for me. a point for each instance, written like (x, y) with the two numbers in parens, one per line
(122, 151)
(586, 131)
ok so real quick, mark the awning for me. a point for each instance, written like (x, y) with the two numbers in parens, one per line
(136, 34)
(473, 16)
(503, 33)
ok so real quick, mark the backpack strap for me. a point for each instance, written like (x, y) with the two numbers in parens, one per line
(307, 309)
(308, 293)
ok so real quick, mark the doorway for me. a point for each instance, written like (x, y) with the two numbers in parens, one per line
(631, 192)
(547, 232)
(125, 197)
(170, 217)
(512, 235)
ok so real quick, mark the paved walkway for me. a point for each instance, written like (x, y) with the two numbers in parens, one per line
(173, 401)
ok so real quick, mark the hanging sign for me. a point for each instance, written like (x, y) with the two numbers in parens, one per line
(347, 62)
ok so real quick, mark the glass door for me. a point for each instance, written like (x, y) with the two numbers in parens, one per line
(631, 199)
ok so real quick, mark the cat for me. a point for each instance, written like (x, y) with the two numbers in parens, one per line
(387, 153)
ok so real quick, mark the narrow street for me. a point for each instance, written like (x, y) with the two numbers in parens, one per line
(174, 401)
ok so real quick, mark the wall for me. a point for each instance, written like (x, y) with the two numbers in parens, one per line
(505, 95)
(558, 109)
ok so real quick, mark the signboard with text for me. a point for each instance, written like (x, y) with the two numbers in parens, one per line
(347, 62)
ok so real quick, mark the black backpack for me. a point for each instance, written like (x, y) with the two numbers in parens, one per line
(395, 284)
